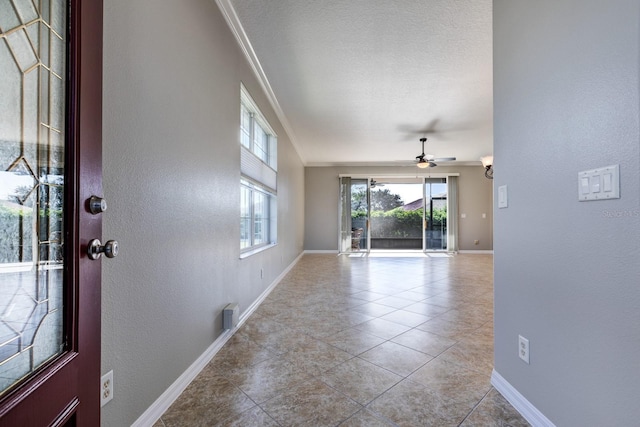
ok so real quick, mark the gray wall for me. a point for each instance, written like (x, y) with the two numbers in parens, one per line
(172, 73)
(567, 273)
(321, 203)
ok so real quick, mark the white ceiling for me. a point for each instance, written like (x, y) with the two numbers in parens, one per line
(360, 81)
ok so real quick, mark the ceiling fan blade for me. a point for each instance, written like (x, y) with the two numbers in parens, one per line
(411, 129)
(373, 183)
(444, 159)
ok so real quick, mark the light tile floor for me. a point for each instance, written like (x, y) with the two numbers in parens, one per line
(359, 341)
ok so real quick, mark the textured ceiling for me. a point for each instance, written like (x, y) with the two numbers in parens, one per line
(360, 81)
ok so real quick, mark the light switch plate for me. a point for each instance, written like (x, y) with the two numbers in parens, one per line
(503, 197)
(599, 184)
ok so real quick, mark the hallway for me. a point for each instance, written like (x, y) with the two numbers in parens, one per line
(359, 341)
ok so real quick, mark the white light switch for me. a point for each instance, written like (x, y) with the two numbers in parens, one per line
(584, 186)
(464, 215)
(599, 184)
(503, 199)
(595, 184)
(607, 182)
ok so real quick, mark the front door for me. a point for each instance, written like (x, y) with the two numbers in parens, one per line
(50, 166)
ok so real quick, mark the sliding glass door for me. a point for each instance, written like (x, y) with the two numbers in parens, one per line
(399, 213)
(435, 214)
(354, 215)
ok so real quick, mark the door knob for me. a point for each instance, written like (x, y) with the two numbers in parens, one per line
(95, 249)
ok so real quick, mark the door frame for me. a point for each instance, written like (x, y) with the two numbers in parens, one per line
(368, 177)
(66, 391)
(425, 221)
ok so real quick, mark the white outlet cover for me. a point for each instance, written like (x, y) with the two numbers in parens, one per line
(106, 388)
(523, 348)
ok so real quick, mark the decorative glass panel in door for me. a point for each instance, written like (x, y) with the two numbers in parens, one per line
(32, 161)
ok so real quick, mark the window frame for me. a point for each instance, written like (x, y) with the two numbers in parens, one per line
(258, 177)
(252, 219)
(269, 155)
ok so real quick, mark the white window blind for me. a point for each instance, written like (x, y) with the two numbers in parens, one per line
(252, 167)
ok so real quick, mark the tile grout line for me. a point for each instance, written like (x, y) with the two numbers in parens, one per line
(475, 406)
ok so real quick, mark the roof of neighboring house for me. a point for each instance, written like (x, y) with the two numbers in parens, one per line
(417, 204)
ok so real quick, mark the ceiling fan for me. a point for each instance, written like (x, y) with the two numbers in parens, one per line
(428, 161)
(374, 184)
(433, 128)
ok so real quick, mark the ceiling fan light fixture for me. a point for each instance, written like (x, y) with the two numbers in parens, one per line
(429, 161)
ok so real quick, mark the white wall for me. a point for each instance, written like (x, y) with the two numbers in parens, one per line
(172, 74)
(567, 273)
(323, 194)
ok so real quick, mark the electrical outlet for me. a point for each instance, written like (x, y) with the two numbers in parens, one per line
(106, 388)
(476, 242)
(523, 348)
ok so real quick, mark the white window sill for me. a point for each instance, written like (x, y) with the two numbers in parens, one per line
(250, 252)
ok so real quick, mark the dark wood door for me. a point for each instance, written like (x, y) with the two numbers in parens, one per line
(50, 165)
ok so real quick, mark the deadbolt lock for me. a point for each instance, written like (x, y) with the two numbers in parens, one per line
(97, 205)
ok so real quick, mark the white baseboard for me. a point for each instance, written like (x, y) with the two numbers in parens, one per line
(166, 399)
(519, 402)
(245, 315)
(314, 251)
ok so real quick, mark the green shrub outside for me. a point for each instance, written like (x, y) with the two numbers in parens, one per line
(10, 240)
(399, 222)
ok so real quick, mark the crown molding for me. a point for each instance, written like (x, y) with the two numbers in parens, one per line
(233, 21)
(392, 164)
